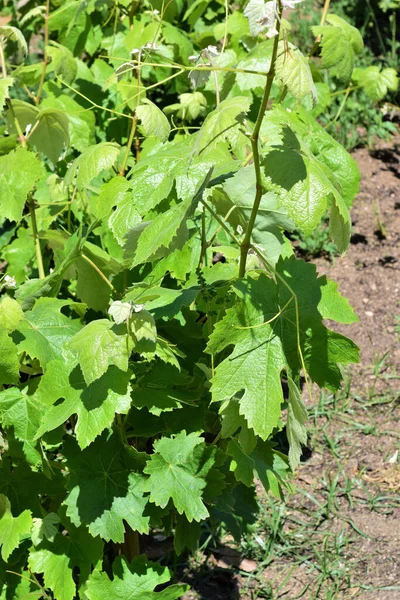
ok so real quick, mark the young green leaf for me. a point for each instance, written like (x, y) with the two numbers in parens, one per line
(12, 34)
(51, 134)
(153, 120)
(62, 62)
(177, 470)
(223, 123)
(5, 85)
(11, 314)
(136, 581)
(255, 344)
(12, 529)
(58, 559)
(20, 170)
(63, 391)
(293, 69)
(9, 362)
(375, 82)
(45, 330)
(98, 346)
(20, 413)
(93, 161)
(340, 44)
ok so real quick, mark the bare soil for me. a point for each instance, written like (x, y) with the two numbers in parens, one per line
(348, 491)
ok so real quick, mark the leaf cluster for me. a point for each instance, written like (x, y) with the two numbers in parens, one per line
(152, 311)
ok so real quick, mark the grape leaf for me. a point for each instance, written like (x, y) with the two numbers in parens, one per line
(12, 529)
(95, 405)
(306, 169)
(45, 330)
(9, 362)
(104, 488)
(33, 289)
(177, 471)
(223, 123)
(323, 349)
(81, 123)
(190, 106)
(91, 163)
(257, 360)
(9, 33)
(5, 84)
(99, 345)
(256, 11)
(334, 306)
(241, 464)
(232, 421)
(62, 61)
(153, 120)
(58, 559)
(20, 170)
(147, 238)
(112, 193)
(44, 529)
(340, 44)
(10, 314)
(271, 467)
(237, 201)
(272, 347)
(375, 82)
(136, 581)
(21, 413)
(51, 135)
(295, 429)
(293, 69)
(187, 535)
(258, 59)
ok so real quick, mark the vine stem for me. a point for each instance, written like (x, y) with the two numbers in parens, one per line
(325, 11)
(96, 268)
(45, 57)
(3, 61)
(17, 126)
(134, 121)
(245, 245)
(22, 139)
(38, 250)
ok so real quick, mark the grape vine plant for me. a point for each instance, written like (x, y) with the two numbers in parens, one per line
(156, 327)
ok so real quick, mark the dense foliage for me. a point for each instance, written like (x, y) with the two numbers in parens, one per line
(362, 111)
(155, 324)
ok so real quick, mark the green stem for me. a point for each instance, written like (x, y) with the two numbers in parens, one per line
(45, 57)
(129, 145)
(245, 245)
(134, 121)
(3, 61)
(341, 107)
(96, 268)
(325, 11)
(17, 126)
(220, 221)
(38, 250)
